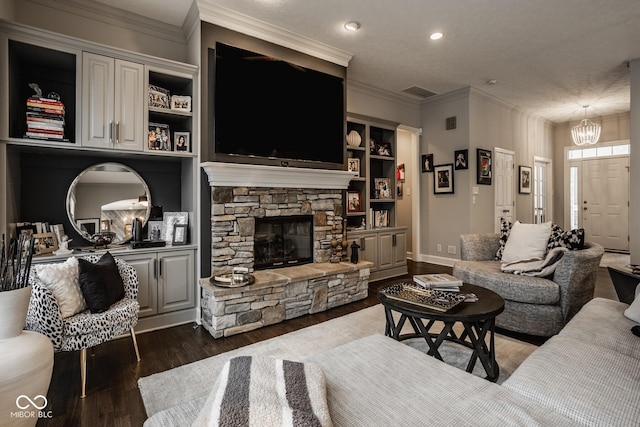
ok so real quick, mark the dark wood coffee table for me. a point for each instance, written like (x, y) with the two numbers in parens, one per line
(477, 318)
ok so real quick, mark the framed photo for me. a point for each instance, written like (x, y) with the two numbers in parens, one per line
(384, 149)
(461, 159)
(353, 165)
(158, 97)
(484, 167)
(181, 103)
(427, 163)
(179, 234)
(181, 141)
(159, 137)
(381, 218)
(400, 172)
(443, 179)
(525, 179)
(44, 243)
(382, 189)
(169, 219)
(354, 203)
(154, 230)
(90, 226)
(26, 228)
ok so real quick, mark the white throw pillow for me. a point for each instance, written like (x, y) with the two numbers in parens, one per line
(526, 242)
(633, 312)
(62, 280)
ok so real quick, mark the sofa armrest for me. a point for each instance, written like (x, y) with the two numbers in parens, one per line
(43, 315)
(576, 276)
(479, 247)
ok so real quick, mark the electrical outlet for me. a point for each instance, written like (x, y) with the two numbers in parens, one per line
(439, 247)
(451, 249)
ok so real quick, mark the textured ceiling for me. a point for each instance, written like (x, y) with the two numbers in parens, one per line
(549, 57)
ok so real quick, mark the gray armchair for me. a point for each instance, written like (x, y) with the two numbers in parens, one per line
(533, 305)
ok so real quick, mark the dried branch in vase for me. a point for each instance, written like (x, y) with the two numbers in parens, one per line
(15, 262)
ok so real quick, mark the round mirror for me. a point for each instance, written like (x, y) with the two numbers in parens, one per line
(104, 200)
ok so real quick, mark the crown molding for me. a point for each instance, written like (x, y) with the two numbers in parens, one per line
(226, 18)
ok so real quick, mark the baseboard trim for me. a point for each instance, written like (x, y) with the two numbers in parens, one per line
(448, 262)
(165, 320)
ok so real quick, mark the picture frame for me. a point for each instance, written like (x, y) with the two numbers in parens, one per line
(179, 234)
(382, 188)
(353, 165)
(427, 163)
(181, 141)
(26, 228)
(354, 201)
(525, 177)
(154, 230)
(169, 219)
(384, 149)
(159, 137)
(89, 225)
(181, 103)
(461, 159)
(158, 97)
(381, 218)
(44, 243)
(443, 179)
(485, 167)
(400, 172)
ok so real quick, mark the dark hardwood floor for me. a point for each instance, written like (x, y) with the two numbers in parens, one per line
(112, 372)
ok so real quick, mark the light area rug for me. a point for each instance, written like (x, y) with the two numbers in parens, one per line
(195, 380)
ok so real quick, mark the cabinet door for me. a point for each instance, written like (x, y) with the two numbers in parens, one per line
(369, 250)
(400, 249)
(147, 271)
(176, 283)
(128, 106)
(97, 100)
(385, 251)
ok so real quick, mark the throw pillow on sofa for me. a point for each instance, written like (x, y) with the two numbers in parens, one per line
(101, 283)
(572, 239)
(62, 280)
(505, 229)
(526, 242)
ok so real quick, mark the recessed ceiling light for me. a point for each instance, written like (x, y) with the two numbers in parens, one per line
(352, 26)
(436, 36)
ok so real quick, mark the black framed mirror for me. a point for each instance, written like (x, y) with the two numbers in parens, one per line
(105, 199)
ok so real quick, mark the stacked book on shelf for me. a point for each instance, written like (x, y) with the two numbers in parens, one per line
(440, 282)
(45, 118)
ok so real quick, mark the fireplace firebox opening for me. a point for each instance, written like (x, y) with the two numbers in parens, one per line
(283, 241)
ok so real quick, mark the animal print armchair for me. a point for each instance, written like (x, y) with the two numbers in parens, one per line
(50, 315)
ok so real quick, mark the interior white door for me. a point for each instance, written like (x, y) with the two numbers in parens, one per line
(605, 207)
(541, 191)
(504, 186)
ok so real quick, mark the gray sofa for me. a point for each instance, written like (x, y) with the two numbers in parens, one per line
(533, 305)
(589, 374)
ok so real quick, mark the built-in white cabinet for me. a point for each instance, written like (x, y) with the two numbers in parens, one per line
(386, 248)
(112, 99)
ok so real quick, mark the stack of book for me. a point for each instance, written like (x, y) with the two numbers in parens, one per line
(45, 118)
(439, 282)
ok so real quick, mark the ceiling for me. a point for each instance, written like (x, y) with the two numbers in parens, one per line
(548, 57)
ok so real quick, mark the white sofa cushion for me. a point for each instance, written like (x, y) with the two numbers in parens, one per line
(526, 242)
(62, 280)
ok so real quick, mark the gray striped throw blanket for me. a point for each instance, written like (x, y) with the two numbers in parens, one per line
(263, 391)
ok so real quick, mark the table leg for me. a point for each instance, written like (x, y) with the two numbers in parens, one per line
(477, 333)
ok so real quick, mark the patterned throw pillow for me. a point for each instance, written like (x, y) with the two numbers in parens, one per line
(505, 229)
(62, 280)
(572, 240)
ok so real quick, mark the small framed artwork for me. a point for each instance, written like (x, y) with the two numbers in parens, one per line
(353, 165)
(443, 179)
(461, 159)
(181, 103)
(525, 179)
(154, 230)
(159, 137)
(44, 243)
(90, 226)
(181, 141)
(400, 172)
(179, 234)
(427, 163)
(384, 149)
(484, 167)
(381, 218)
(382, 188)
(169, 219)
(354, 203)
(158, 97)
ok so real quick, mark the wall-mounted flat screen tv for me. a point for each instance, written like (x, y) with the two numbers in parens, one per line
(268, 108)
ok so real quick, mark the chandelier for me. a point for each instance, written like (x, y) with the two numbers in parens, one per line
(587, 132)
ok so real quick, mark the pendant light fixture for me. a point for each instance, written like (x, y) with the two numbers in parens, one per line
(587, 132)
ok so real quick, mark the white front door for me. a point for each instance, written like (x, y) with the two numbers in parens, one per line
(504, 190)
(605, 204)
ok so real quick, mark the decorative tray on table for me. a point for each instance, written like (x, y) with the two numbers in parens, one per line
(429, 298)
(229, 281)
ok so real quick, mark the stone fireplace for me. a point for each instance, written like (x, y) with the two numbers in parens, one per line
(242, 194)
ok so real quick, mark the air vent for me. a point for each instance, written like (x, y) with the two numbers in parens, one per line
(451, 123)
(419, 91)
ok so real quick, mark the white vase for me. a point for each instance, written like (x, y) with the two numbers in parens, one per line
(353, 138)
(26, 364)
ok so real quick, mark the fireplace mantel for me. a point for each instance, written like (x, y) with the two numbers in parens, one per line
(244, 175)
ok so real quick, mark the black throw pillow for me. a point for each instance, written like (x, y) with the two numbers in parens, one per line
(100, 282)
